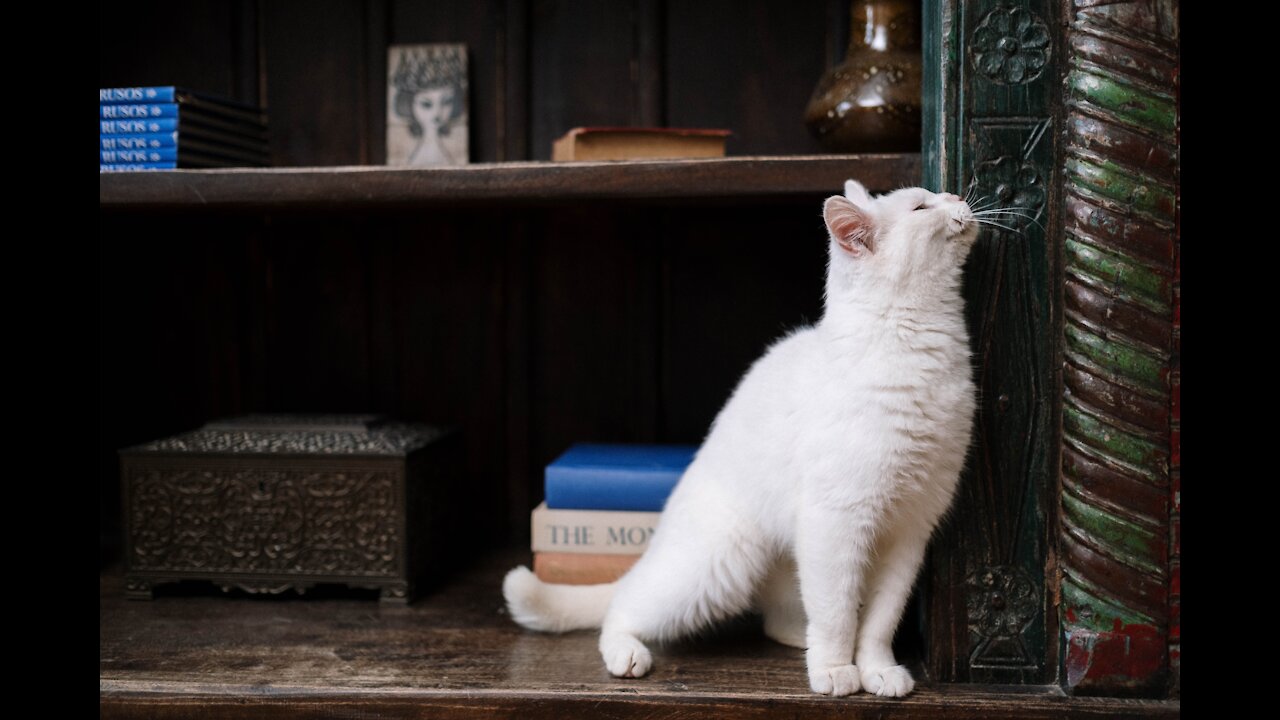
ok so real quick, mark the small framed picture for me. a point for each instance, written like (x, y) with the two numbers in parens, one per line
(427, 105)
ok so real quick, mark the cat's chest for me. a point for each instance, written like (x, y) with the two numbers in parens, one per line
(907, 390)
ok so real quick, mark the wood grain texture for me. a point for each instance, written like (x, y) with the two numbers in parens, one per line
(455, 654)
(584, 68)
(317, 92)
(208, 46)
(593, 374)
(174, 354)
(989, 130)
(748, 66)
(736, 179)
(747, 279)
(1119, 566)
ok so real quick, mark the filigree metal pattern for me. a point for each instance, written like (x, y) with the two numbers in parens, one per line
(264, 520)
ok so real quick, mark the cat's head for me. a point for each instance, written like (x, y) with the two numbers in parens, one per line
(910, 241)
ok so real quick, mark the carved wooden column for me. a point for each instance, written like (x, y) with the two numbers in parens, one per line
(1119, 582)
(990, 99)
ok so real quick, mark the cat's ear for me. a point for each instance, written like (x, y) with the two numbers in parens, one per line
(850, 226)
(857, 193)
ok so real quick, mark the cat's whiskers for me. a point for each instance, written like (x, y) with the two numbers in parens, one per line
(984, 221)
(1010, 210)
(982, 204)
(1023, 213)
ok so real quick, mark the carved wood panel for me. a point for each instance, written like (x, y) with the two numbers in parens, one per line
(989, 99)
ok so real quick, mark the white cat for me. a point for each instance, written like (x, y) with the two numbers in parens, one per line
(818, 486)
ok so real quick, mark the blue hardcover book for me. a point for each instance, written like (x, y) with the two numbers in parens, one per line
(168, 101)
(137, 127)
(147, 141)
(131, 167)
(616, 477)
(136, 95)
(139, 156)
(138, 112)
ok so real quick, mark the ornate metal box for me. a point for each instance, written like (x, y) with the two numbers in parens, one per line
(266, 503)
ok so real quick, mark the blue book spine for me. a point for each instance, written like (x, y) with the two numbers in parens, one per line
(138, 112)
(137, 127)
(136, 95)
(139, 156)
(149, 141)
(616, 477)
(131, 167)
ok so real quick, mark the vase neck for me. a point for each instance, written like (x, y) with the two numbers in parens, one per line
(883, 25)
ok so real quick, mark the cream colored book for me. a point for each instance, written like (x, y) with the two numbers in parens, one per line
(618, 143)
(605, 532)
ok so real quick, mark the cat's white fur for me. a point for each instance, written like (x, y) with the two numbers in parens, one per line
(818, 486)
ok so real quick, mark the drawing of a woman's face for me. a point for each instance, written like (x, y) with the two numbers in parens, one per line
(432, 108)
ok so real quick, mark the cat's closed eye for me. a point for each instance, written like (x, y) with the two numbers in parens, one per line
(921, 206)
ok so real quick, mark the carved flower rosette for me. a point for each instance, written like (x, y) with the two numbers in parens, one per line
(1001, 601)
(1011, 183)
(1011, 46)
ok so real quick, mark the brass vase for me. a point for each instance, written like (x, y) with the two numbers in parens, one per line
(871, 101)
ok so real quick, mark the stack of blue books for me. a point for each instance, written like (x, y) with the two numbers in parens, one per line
(161, 128)
(602, 507)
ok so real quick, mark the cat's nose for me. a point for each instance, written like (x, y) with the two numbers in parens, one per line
(951, 197)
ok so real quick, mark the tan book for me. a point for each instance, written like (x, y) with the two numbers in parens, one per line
(580, 568)
(613, 143)
(605, 532)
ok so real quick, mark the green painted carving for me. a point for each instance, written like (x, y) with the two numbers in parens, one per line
(1112, 182)
(1120, 360)
(1126, 102)
(1131, 281)
(1120, 185)
(1097, 612)
(1133, 542)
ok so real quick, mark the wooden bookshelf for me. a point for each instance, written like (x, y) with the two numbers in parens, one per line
(731, 178)
(455, 654)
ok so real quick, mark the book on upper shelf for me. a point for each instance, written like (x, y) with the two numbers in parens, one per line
(249, 124)
(590, 476)
(166, 127)
(192, 125)
(623, 143)
(128, 102)
(581, 568)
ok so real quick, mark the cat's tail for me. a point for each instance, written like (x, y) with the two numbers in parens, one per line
(554, 608)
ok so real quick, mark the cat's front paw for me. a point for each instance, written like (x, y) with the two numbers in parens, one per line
(892, 681)
(837, 681)
(625, 656)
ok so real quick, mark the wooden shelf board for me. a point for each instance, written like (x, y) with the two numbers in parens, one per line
(454, 653)
(727, 178)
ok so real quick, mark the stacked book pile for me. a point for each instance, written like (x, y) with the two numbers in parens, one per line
(602, 506)
(159, 128)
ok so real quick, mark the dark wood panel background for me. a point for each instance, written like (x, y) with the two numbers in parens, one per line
(293, 313)
(535, 328)
(530, 329)
(537, 67)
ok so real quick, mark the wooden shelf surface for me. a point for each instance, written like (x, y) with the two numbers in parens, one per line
(455, 654)
(739, 178)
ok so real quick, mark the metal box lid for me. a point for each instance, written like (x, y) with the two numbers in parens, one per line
(290, 434)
